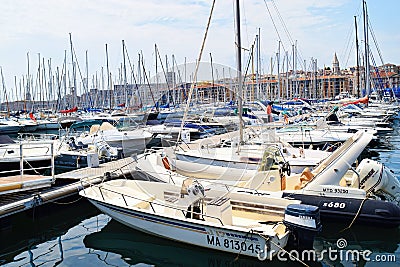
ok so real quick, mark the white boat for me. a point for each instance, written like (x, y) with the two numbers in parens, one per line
(71, 155)
(131, 142)
(240, 161)
(307, 136)
(48, 124)
(190, 214)
(328, 186)
(27, 125)
(166, 136)
(8, 126)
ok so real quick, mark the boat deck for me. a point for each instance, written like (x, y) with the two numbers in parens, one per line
(21, 178)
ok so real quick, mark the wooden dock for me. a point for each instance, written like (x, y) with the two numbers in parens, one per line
(16, 201)
(18, 183)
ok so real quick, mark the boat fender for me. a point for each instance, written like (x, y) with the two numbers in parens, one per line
(165, 162)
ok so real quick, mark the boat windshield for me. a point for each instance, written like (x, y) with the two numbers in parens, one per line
(271, 157)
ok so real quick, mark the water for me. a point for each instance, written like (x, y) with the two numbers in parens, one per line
(77, 234)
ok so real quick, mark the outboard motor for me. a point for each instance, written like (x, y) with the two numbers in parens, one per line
(120, 153)
(304, 223)
(376, 179)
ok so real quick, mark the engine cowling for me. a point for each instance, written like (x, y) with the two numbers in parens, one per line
(376, 179)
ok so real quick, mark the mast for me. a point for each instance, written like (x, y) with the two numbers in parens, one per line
(108, 78)
(278, 59)
(73, 71)
(287, 74)
(366, 53)
(50, 89)
(212, 78)
(315, 78)
(258, 67)
(39, 73)
(158, 90)
(357, 60)
(86, 83)
(5, 92)
(65, 79)
(28, 89)
(239, 71)
(125, 82)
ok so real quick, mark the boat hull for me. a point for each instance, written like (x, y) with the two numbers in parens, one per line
(9, 129)
(197, 234)
(345, 210)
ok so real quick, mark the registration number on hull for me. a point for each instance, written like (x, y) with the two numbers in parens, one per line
(240, 246)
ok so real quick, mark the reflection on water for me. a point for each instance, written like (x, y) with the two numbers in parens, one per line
(358, 238)
(40, 236)
(137, 247)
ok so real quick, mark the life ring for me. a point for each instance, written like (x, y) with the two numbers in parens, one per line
(165, 162)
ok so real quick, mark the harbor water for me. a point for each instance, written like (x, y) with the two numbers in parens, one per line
(74, 233)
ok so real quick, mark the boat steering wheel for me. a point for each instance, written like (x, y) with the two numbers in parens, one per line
(285, 167)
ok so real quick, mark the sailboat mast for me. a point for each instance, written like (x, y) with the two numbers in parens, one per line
(366, 53)
(108, 79)
(28, 90)
(357, 58)
(125, 81)
(5, 92)
(239, 71)
(73, 71)
(86, 83)
(212, 78)
(158, 90)
(278, 60)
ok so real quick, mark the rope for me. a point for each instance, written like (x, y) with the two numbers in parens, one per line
(355, 216)
(195, 76)
(31, 167)
(65, 203)
(287, 252)
(240, 251)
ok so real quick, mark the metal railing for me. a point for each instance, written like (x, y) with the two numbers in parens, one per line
(23, 153)
(151, 203)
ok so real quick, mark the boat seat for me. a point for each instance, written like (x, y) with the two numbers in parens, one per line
(144, 204)
(220, 208)
(305, 177)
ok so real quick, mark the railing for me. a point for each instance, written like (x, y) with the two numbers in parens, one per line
(150, 202)
(22, 153)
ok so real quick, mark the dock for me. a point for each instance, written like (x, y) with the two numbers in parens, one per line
(19, 183)
(72, 182)
(121, 167)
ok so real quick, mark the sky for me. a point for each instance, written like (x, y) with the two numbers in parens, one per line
(41, 28)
